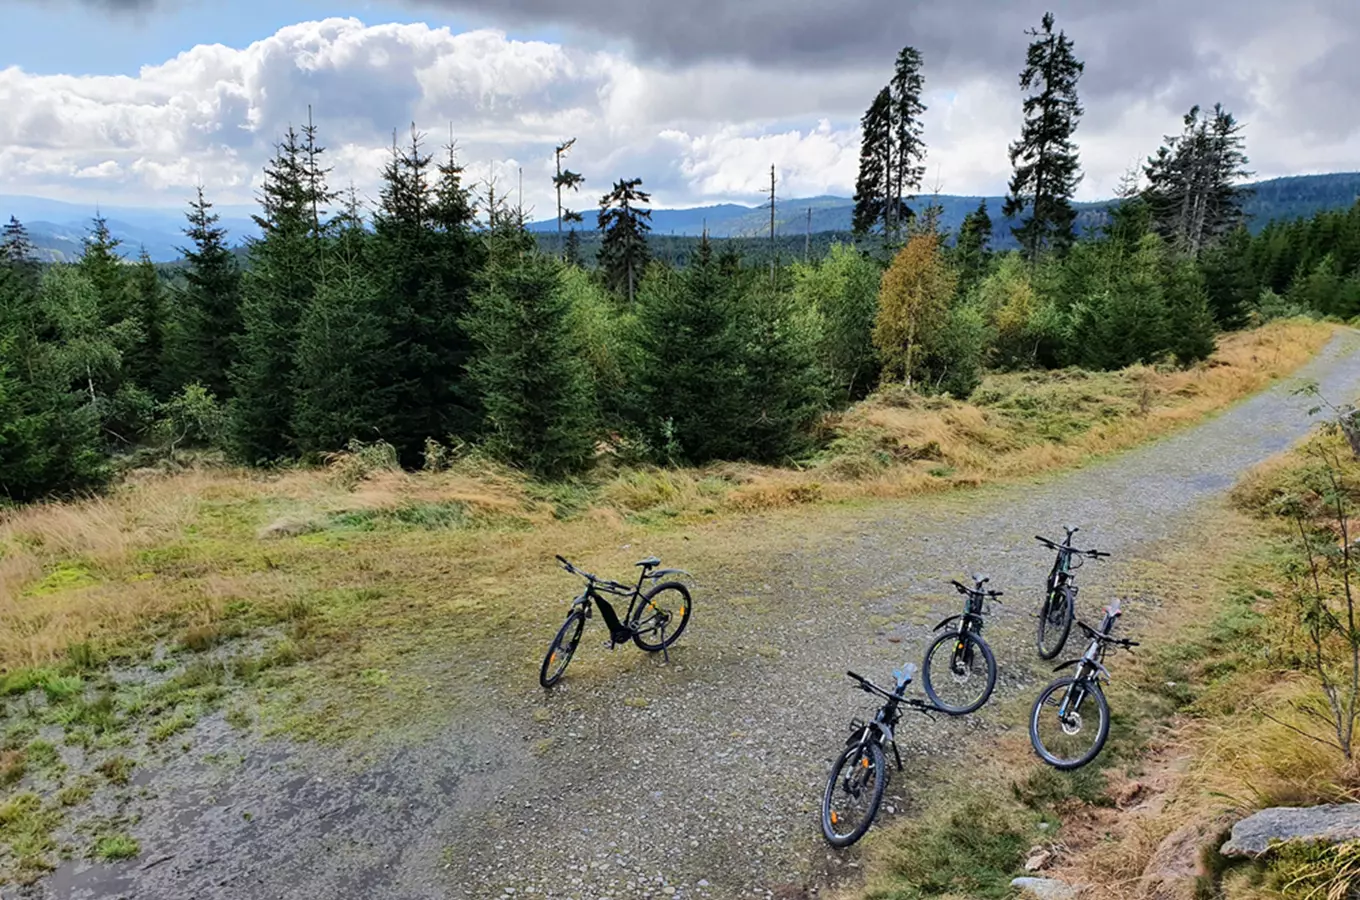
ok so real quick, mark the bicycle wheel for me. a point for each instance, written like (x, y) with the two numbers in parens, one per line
(1055, 622)
(661, 616)
(560, 650)
(959, 672)
(1072, 741)
(851, 800)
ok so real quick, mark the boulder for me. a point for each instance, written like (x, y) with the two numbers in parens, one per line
(1175, 866)
(1045, 889)
(1332, 823)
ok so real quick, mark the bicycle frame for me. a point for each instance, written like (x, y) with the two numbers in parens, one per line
(592, 596)
(1090, 666)
(880, 729)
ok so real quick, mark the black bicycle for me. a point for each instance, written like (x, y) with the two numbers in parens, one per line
(1071, 718)
(1060, 593)
(654, 619)
(854, 789)
(962, 653)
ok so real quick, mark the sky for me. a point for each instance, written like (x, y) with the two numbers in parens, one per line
(134, 102)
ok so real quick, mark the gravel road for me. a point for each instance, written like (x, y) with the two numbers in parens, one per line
(695, 780)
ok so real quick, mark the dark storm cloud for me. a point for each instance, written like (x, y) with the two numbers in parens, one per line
(1131, 48)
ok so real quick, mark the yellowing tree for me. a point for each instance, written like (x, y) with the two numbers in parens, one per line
(913, 304)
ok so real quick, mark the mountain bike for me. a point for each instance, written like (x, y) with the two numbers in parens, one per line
(860, 773)
(654, 619)
(1060, 593)
(964, 654)
(1063, 709)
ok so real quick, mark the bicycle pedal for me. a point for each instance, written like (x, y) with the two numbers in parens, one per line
(609, 645)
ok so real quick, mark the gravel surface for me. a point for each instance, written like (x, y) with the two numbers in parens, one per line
(700, 779)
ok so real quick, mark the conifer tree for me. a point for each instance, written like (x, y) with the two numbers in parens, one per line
(277, 287)
(623, 253)
(423, 259)
(529, 366)
(50, 440)
(572, 251)
(908, 147)
(142, 362)
(686, 366)
(344, 354)
(843, 289)
(1047, 171)
(971, 251)
(1193, 181)
(875, 179)
(206, 324)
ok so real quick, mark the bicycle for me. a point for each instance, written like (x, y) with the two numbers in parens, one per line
(1075, 690)
(642, 622)
(863, 758)
(1060, 593)
(964, 645)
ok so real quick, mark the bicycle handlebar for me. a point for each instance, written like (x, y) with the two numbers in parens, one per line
(594, 580)
(1054, 545)
(976, 592)
(1108, 639)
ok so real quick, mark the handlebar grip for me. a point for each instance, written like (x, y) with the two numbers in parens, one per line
(562, 561)
(995, 593)
(961, 588)
(855, 676)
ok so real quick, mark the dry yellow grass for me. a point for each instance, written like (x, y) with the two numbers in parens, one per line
(163, 553)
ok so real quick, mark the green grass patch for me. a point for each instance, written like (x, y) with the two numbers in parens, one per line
(113, 847)
(65, 577)
(969, 844)
(26, 829)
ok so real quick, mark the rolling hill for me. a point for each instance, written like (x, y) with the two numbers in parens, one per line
(57, 227)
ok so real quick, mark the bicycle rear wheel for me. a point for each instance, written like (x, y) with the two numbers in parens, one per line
(1055, 622)
(561, 649)
(661, 616)
(853, 793)
(959, 672)
(1071, 740)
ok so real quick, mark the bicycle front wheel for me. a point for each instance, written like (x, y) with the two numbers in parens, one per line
(1069, 723)
(561, 649)
(1055, 622)
(959, 672)
(853, 793)
(661, 616)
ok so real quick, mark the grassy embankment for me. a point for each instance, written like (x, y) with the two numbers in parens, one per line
(1214, 717)
(309, 600)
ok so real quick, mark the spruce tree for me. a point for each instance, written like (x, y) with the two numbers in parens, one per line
(971, 252)
(874, 182)
(623, 253)
(207, 318)
(1193, 181)
(572, 251)
(1047, 171)
(278, 286)
(908, 147)
(50, 439)
(529, 367)
(103, 265)
(843, 289)
(423, 261)
(687, 362)
(143, 362)
(344, 354)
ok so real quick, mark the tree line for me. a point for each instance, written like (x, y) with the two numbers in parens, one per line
(436, 318)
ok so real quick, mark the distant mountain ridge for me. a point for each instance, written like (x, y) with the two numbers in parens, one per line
(57, 227)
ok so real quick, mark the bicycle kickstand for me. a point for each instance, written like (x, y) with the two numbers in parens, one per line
(665, 652)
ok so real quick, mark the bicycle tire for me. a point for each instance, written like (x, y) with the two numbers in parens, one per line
(880, 766)
(952, 637)
(1046, 621)
(1102, 730)
(579, 620)
(672, 636)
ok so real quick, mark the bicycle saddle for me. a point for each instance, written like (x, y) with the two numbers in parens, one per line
(650, 562)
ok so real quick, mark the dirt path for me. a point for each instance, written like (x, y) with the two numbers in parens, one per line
(700, 779)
